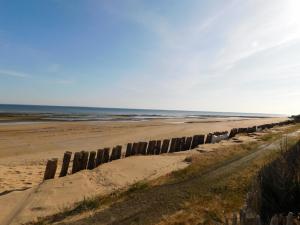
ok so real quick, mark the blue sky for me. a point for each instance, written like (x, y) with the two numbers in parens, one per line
(217, 55)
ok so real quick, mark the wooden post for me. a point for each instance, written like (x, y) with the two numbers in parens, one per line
(139, 148)
(118, 152)
(188, 143)
(197, 140)
(178, 144)
(143, 148)
(233, 132)
(165, 146)
(99, 157)
(84, 160)
(209, 138)
(65, 164)
(76, 162)
(157, 148)
(182, 144)
(128, 150)
(151, 146)
(135, 148)
(91, 163)
(201, 139)
(105, 158)
(194, 142)
(113, 154)
(50, 169)
(173, 145)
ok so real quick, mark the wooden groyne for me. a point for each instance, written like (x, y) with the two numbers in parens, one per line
(89, 160)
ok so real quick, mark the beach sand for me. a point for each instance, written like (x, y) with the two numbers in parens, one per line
(55, 195)
(24, 149)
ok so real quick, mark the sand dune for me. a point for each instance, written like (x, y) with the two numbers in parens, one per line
(52, 196)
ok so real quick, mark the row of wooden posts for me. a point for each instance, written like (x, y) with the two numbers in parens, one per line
(89, 160)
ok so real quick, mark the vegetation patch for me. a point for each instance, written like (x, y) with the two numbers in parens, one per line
(209, 190)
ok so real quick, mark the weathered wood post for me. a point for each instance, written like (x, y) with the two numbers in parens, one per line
(233, 132)
(113, 154)
(188, 143)
(178, 144)
(128, 150)
(195, 141)
(76, 162)
(282, 219)
(92, 163)
(290, 218)
(151, 146)
(140, 148)
(118, 151)
(84, 160)
(50, 169)
(201, 139)
(182, 144)
(209, 138)
(99, 157)
(249, 217)
(275, 220)
(135, 148)
(105, 158)
(258, 220)
(165, 146)
(143, 148)
(157, 147)
(173, 145)
(65, 164)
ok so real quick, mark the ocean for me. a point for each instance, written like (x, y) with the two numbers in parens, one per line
(71, 113)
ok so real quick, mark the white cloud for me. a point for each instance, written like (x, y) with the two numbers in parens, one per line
(246, 47)
(12, 73)
(269, 25)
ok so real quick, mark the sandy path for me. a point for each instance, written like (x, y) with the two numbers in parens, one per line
(24, 148)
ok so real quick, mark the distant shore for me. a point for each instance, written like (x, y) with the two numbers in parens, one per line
(54, 117)
(38, 113)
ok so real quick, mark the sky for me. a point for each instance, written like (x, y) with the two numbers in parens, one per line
(216, 55)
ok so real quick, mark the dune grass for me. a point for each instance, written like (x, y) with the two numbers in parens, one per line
(206, 191)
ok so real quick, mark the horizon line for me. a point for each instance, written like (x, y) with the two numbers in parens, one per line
(129, 108)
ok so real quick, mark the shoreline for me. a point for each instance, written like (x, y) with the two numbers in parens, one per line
(16, 117)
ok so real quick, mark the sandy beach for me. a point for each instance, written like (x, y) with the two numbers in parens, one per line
(25, 147)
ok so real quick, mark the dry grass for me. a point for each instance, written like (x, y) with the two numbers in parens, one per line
(212, 187)
(225, 196)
